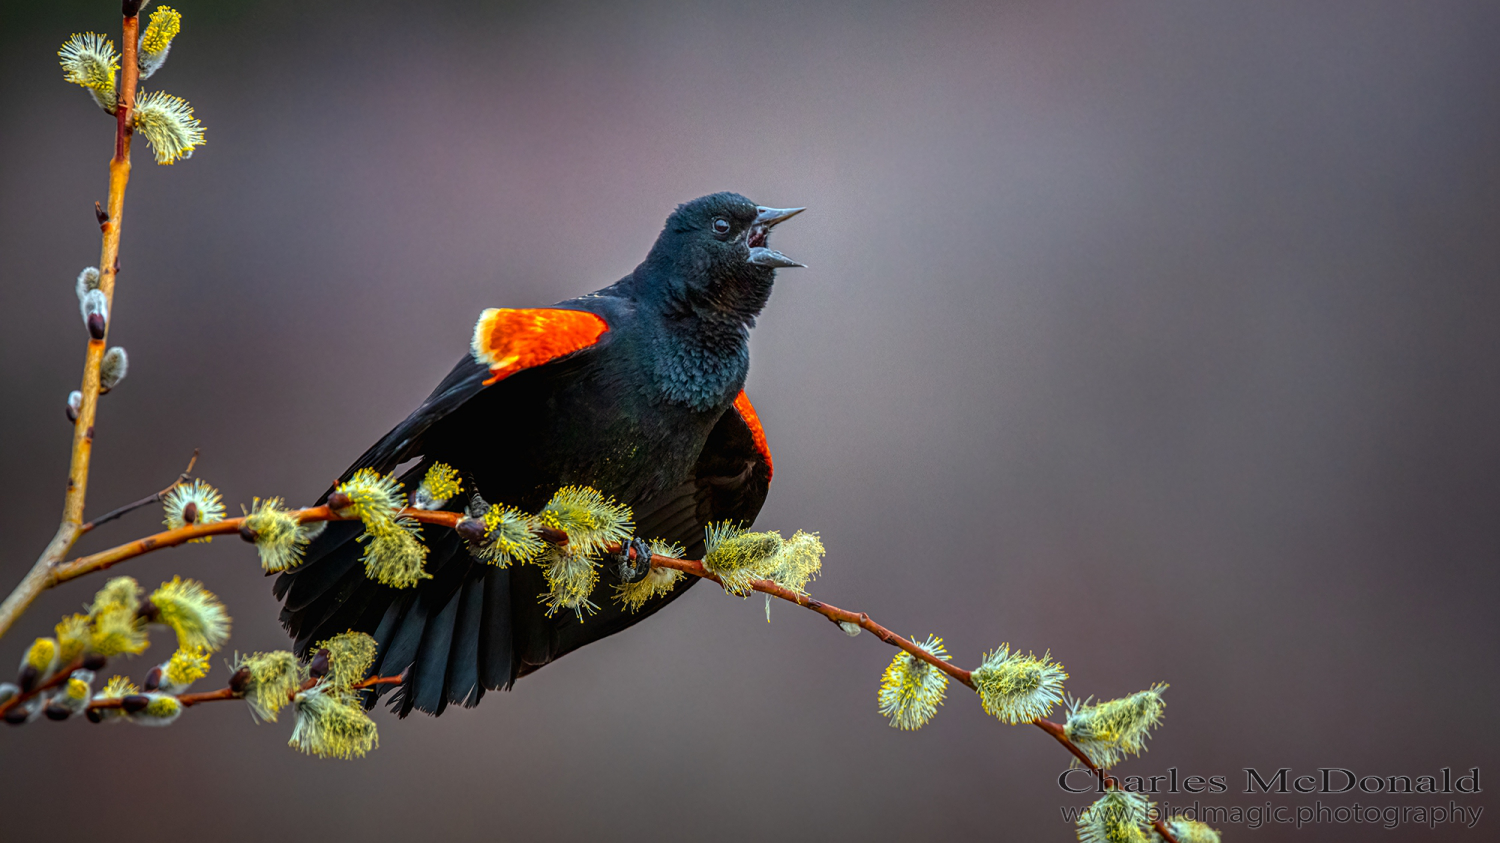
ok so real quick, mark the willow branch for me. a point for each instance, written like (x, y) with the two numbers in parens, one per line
(171, 538)
(229, 693)
(71, 528)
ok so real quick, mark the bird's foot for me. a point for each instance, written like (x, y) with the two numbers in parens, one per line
(634, 571)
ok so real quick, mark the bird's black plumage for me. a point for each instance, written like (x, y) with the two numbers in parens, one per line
(645, 414)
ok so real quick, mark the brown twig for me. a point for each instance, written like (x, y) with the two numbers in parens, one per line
(190, 700)
(58, 678)
(70, 528)
(830, 612)
(146, 501)
(171, 538)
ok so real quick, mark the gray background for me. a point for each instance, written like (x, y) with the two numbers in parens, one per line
(1160, 335)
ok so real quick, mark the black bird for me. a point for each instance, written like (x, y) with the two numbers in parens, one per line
(635, 390)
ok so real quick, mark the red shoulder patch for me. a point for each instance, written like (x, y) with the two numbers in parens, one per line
(508, 340)
(757, 433)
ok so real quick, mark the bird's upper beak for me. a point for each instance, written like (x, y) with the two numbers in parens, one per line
(770, 216)
(765, 219)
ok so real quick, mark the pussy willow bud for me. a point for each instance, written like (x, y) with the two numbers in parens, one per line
(240, 680)
(94, 308)
(737, 556)
(331, 723)
(88, 280)
(73, 634)
(168, 124)
(90, 60)
(911, 689)
(394, 553)
(279, 539)
(193, 612)
(1118, 817)
(1018, 688)
(160, 710)
(318, 667)
(268, 682)
(179, 672)
(25, 712)
(350, 657)
(117, 688)
(192, 503)
(112, 369)
(501, 536)
(75, 405)
(439, 485)
(38, 663)
(1109, 731)
(156, 40)
(73, 697)
(571, 576)
(590, 519)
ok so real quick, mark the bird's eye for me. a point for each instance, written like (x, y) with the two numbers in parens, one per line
(721, 226)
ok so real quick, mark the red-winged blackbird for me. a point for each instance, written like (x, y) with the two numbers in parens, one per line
(634, 390)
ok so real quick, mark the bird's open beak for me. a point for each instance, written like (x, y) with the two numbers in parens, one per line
(765, 219)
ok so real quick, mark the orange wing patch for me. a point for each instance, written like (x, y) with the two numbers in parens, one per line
(508, 340)
(757, 433)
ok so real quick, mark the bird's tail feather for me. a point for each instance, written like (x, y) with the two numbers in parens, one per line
(453, 631)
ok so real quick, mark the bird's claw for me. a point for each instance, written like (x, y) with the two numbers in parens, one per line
(631, 572)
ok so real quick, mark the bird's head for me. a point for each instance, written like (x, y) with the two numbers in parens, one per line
(712, 257)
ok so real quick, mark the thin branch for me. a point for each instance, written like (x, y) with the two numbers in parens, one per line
(146, 501)
(105, 559)
(59, 678)
(70, 527)
(830, 612)
(190, 700)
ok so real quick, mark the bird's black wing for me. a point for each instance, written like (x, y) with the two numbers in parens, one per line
(473, 627)
(455, 627)
(730, 482)
(405, 440)
(506, 342)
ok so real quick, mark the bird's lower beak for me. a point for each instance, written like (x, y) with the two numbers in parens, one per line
(762, 256)
(765, 219)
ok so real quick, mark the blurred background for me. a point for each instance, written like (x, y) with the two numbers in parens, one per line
(1159, 335)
